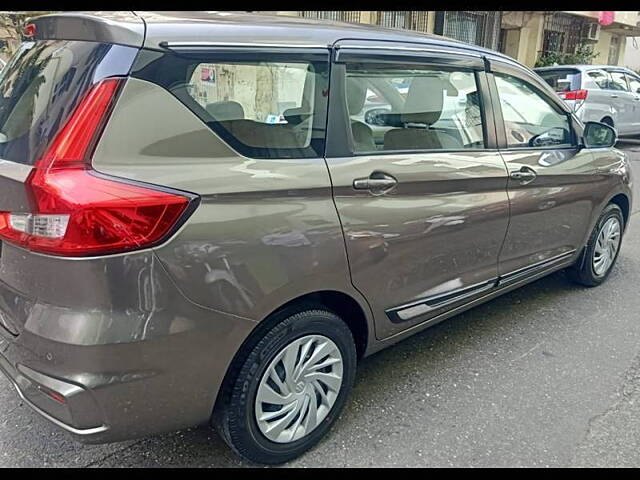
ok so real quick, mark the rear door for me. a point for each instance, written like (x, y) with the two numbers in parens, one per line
(634, 86)
(623, 101)
(425, 211)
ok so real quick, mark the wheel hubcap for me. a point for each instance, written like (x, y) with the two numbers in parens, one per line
(298, 388)
(606, 247)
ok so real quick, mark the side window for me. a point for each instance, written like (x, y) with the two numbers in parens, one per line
(598, 79)
(261, 108)
(618, 81)
(529, 119)
(634, 83)
(402, 107)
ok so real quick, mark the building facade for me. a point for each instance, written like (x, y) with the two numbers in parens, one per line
(527, 36)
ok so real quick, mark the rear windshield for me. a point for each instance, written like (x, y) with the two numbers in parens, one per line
(561, 80)
(262, 105)
(42, 84)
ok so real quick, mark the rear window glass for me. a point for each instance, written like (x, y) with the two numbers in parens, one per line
(41, 85)
(263, 108)
(561, 80)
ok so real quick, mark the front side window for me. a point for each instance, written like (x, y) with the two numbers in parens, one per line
(529, 119)
(261, 108)
(618, 81)
(401, 107)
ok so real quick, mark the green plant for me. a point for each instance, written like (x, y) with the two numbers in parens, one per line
(583, 54)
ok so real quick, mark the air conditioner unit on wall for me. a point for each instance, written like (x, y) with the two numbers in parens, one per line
(592, 32)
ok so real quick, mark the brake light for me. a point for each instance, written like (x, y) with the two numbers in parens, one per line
(29, 30)
(76, 211)
(574, 95)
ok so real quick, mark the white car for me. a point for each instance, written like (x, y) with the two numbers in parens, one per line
(599, 93)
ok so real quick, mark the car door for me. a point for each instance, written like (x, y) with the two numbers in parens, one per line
(634, 86)
(598, 105)
(553, 185)
(424, 213)
(623, 101)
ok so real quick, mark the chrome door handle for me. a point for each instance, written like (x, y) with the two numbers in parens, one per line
(377, 182)
(524, 175)
(614, 96)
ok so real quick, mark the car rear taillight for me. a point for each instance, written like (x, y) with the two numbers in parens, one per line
(76, 211)
(574, 95)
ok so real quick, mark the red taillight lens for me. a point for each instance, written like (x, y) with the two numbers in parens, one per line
(29, 30)
(77, 212)
(574, 95)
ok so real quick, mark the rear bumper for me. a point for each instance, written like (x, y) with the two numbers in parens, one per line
(110, 374)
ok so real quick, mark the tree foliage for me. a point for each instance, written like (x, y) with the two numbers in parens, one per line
(583, 55)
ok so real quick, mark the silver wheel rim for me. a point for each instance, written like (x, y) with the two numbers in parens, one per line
(607, 244)
(298, 388)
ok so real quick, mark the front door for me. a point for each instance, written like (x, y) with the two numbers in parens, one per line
(421, 198)
(553, 185)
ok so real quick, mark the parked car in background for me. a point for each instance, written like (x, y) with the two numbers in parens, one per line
(195, 228)
(599, 93)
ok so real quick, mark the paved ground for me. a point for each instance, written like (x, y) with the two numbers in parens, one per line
(548, 375)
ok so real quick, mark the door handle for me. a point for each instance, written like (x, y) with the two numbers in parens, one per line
(377, 182)
(524, 175)
(614, 96)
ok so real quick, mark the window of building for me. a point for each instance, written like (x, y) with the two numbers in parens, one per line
(529, 119)
(562, 33)
(614, 50)
(416, 108)
(417, 21)
(475, 27)
(340, 16)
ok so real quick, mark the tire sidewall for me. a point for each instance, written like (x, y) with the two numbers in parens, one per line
(244, 432)
(609, 212)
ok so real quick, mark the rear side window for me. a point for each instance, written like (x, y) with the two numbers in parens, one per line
(561, 80)
(415, 108)
(42, 84)
(598, 79)
(618, 81)
(263, 108)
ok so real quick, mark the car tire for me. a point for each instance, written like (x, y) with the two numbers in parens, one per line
(237, 420)
(607, 121)
(585, 270)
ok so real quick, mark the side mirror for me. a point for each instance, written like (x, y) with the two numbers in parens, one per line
(599, 135)
(375, 116)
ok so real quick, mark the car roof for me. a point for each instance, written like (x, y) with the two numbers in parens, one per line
(151, 29)
(582, 68)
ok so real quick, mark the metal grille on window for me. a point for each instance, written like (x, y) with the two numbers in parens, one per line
(477, 27)
(418, 20)
(562, 32)
(340, 16)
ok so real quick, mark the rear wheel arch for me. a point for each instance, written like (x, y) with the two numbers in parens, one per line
(340, 303)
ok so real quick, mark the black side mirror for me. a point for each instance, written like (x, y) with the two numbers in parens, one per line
(599, 135)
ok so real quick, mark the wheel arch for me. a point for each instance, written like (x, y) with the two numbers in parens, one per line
(342, 304)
